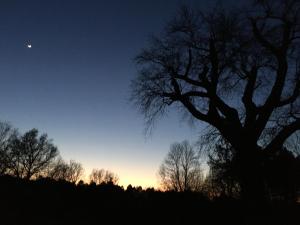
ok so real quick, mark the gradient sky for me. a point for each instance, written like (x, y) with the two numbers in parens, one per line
(73, 83)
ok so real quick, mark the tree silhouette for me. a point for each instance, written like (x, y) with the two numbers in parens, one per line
(237, 71)
(181, 170)
(75, 171)
(60, 170)
(29, 154)
(100, 176)
(6, 133)
(57, 170)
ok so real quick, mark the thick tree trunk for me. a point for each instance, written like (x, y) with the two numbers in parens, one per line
(250, 175)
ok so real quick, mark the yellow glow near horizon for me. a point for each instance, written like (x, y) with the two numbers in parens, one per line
(136, 171)
(144, 183)
(145, 179)
(134, 181)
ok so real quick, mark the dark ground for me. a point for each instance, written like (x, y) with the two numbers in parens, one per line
(51, 202)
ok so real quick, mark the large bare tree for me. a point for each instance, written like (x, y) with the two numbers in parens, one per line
(238, 71)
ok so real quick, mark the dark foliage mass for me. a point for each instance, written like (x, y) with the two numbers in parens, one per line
(51, 202)
(281, 175)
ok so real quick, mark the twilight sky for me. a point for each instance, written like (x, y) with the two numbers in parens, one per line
(73, 83)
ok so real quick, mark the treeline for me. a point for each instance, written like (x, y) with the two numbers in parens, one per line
(49, 201)
(32, 156)
(38, 187)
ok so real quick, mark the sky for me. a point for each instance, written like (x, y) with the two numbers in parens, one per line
(73, 83)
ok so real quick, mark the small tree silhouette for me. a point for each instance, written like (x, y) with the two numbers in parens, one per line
(181, 169)
(100, 176)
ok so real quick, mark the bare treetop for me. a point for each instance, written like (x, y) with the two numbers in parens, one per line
(233, 70)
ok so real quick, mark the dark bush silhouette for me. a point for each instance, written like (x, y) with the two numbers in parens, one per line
(282, 174)
(222, 179)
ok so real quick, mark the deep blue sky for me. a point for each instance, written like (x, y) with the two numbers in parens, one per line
(74, 82)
